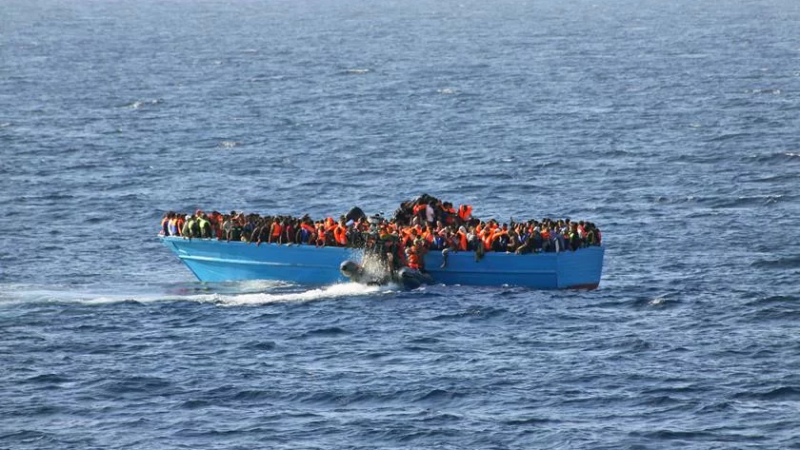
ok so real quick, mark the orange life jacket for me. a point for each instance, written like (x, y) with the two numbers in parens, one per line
(340, 235)
(465, 212)
(414, 261)
(276, 229)
(487, 241)
(462, 241)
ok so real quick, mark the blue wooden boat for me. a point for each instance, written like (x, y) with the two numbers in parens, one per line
(211, 260)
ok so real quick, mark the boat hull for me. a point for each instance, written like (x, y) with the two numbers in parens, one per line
(213, 261)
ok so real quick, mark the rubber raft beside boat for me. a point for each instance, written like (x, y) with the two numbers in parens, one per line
(213, 261)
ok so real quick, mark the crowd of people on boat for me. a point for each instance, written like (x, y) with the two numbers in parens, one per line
(418, 226)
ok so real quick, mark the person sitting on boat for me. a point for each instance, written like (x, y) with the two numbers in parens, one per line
(446, 228)
(452, 243)
(322, 235)
(512, 243)
(340, 233)
(415, 256)
(532, 243)
(304, 231)
(499, 238)
(439, 240)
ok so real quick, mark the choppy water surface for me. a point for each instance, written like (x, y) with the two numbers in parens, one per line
(673, 125)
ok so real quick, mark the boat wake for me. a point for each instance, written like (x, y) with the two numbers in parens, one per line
(227, 294)
(329, 292)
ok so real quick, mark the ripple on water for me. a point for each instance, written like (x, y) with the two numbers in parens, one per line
(107, 340)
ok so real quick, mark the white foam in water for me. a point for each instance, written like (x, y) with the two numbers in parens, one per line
(104, 300)
(18, 294)
(52, 294)
(333, 291)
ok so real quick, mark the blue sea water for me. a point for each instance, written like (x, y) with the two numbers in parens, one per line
(675, 126)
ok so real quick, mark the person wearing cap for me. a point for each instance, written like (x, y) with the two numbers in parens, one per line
(190, 228)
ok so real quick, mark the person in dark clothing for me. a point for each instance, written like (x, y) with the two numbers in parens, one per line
(355, 214)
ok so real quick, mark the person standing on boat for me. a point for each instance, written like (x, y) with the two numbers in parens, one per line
(574, 237)
(204, 225)
(557, 240)
(190, 228)
(227, 225)
(465, 214)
